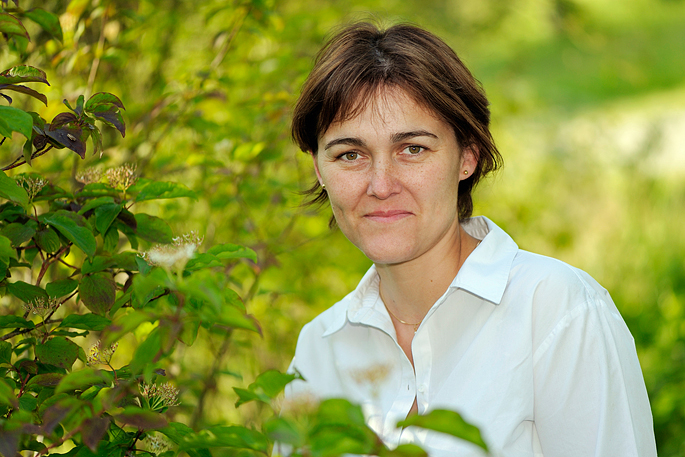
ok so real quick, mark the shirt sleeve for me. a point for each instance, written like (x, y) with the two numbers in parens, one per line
(590, 396)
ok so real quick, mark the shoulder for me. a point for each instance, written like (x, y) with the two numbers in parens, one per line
(550, 279)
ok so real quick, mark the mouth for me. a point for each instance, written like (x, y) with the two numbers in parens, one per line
(387, 216)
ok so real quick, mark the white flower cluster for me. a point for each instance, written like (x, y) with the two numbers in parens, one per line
(97, 355)
(177, 253)
(160, 396)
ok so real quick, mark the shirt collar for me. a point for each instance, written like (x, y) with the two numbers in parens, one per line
(485, 273)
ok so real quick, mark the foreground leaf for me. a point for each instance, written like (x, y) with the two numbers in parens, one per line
(48, 22)
(15, 120)
(11, 191)
(161, 190)
(448, 422)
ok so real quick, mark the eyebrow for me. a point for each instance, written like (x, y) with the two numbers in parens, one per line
(395, 138)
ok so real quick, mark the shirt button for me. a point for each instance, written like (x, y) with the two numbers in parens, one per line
(422, 388)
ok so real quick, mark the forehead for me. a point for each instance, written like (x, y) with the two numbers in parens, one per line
(385, 108)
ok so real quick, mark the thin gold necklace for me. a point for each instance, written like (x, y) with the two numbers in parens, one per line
(416, 326)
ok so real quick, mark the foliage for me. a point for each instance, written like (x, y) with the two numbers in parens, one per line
(587, 105)
(74, 269)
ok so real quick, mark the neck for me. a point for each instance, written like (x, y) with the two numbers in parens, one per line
(410, 289)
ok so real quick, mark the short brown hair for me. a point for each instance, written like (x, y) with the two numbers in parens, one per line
(362, 58)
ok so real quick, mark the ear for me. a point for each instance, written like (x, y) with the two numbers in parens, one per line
(316, 167)
(469, 161)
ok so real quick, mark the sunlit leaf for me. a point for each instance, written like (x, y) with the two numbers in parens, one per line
(160, 190)
(10, 190)
(74, 228)
(6, 250)
(232, 251)
(15, 120)
(23, 74)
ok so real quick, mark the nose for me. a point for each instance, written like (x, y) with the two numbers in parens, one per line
(383, 181)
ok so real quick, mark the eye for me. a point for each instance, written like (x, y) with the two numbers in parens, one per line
(414, 149)
(349, 156)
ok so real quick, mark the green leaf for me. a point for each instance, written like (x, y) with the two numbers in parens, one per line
(405, 450)
(80, 380)
(48, 22)
(19, 233)
(10, 25)
(15, 322)
(153, 229)
(448, 422)
(23, 74)
(6, 250)
(58, 351)
(160, 190)
(98, 263)
(103, 98)
(147, 351)
(11, 191)
(15, 120)
(28, 293)
(105, 215)
(98, 292)
(220, 436)
(48, 240)
(95, 202)
(28, 402)
(46, 380)
(141, 418)
(79, 105)
(61, 287)
(93, 430)
(5, 353)
(25, 90)
(232, 251)
(74, 228)
(7, 396)
(85, 322)
(123, 324)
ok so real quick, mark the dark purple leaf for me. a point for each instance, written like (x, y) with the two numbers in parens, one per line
(24, 90)
(98, 292)
(111, 117)
(61, 119)
(92, 431)
(70, 138)
(143, 419)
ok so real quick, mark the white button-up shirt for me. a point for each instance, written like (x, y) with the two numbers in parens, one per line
(527, 348)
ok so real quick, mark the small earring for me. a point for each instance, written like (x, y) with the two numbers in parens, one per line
(323, 186)
(466, 172)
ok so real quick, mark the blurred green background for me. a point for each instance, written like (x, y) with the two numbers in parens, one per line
(588, 103)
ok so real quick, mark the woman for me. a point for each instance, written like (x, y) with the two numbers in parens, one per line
(452, 314)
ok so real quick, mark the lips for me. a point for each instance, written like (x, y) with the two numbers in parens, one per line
(388, 216)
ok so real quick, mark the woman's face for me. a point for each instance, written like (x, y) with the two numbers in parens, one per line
(392, 176)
